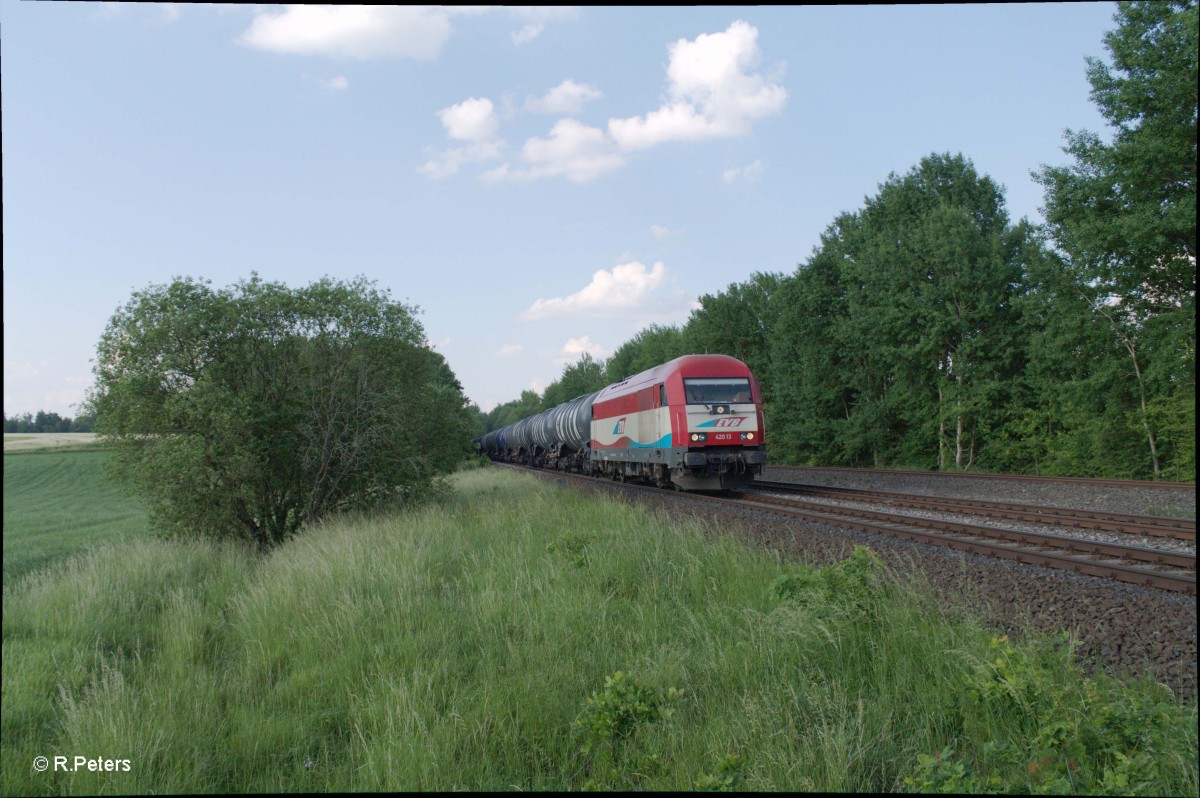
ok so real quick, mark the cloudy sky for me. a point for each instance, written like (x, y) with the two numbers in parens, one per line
(540, 182)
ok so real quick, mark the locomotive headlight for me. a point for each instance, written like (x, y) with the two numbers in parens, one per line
(695, 437)
(699, 437)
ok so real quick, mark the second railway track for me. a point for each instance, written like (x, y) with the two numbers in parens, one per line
(1153, 526)
(1150, 567)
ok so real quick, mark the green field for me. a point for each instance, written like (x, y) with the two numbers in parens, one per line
(521, 636)
(56, 503)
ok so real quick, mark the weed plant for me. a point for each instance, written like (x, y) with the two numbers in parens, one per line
(522, 636)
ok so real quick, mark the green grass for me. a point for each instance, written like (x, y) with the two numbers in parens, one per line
(57, 503)
(525, 637)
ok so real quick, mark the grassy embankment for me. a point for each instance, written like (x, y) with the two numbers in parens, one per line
(525, 637)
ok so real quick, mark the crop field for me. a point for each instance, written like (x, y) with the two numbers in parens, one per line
(522, 636)
(57, 503)
(16, 441)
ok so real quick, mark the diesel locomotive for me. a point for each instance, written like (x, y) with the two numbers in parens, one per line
(694, 423)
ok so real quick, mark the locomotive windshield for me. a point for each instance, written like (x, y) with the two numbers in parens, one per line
(712, 390)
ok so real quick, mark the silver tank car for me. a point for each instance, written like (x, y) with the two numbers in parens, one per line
(573, 422)
(562, 430)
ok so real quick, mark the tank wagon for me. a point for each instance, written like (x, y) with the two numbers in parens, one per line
(695, 423)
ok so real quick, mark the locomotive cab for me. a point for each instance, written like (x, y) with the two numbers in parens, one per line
(720, 420)
(695, 422)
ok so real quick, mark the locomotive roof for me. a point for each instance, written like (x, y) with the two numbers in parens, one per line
(687, 366)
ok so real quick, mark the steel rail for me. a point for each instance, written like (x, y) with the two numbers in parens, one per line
(1180, 582)
(1022, 547)
(1121, 483)
(1151, 525)
(1082, 545)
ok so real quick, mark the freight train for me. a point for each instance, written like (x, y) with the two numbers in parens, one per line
(694, 423)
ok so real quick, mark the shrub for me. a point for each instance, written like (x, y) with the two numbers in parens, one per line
(249, 411)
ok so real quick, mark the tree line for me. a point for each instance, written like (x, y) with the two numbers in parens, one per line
(47, 422)
(929, 330)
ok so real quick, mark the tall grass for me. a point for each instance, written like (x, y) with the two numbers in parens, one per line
(525, 637)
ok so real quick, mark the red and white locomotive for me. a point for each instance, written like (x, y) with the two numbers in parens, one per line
(695, 422)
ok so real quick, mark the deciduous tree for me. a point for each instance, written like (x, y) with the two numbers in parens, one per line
(1124, 215)
(251, 410)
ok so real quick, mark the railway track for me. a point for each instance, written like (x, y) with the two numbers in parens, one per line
(1148, 525)
(1151, 567)
(1121, 483)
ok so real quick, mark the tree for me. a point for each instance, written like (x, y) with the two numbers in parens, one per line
(582, 377)
(652, 346)
(902, 324)
(514, 410)
(1124, 215)
(737, 322)
(251, 410)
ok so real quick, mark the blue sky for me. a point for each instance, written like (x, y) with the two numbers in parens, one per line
(540, 182)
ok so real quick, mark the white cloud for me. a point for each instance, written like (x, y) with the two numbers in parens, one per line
(475, 121)
(336, 84)
(621, 289)
(660, 232)
(712, 92)
(471, 120)
(537, 17)
(170, 12)
(377, 31)
(447, 162)
(527, 33)
(509, 350)
(750, 173)
(544, 13)
(352, 31)
(574, 348)
(567, 97)
(574, 150)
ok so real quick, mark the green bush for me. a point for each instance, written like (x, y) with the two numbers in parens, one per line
(252, 410)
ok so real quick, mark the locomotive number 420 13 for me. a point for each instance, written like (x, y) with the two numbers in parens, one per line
(722, 436)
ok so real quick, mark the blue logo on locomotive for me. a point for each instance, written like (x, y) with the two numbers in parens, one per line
(619, 429)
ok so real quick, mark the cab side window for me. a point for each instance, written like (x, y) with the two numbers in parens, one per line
(662, 395)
